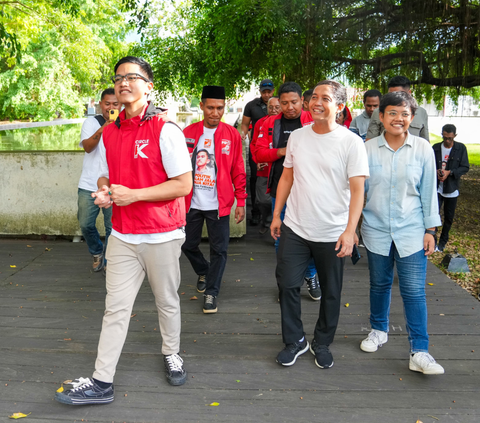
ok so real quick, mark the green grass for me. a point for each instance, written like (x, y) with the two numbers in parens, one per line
(473, 150)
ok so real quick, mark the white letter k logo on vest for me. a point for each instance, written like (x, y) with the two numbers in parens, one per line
(139, 146)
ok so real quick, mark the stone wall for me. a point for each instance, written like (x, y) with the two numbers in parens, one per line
(38, 194)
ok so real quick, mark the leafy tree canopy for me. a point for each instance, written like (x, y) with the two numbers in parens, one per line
(235, 42)
(57, 53)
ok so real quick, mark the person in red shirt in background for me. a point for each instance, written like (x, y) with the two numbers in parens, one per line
(263, 197)
(214, 193)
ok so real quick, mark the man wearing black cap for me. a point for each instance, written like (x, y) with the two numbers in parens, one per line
(254, 111)
(212, 196)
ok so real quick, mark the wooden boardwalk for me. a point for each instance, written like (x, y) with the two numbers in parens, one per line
(51, 307)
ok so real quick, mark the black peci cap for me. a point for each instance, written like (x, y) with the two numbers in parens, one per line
(213, 91)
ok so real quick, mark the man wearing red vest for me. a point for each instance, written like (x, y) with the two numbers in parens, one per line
(145, 171)
(213, 193)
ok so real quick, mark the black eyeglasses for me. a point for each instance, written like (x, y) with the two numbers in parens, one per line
(266, 84)
(129, 77)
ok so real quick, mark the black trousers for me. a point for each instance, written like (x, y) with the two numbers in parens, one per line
(218, 236)
(294, 254)
(449, 206)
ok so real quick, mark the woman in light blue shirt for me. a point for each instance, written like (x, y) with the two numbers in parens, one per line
(398, 228)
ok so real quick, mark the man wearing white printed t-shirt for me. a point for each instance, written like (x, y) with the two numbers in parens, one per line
(324, 173)
(92, 130)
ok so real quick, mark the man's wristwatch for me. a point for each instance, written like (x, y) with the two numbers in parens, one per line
(430, 232)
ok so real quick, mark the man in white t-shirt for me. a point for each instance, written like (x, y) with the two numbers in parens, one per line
(325, 200)
(92, 130)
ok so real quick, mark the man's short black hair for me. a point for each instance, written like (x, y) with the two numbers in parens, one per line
(399, 81)
(449, 129)
(289, 87)
(372, 93)
(108, 91)
(307, 95)
(145, 66)
(398, 98)
(338, 90)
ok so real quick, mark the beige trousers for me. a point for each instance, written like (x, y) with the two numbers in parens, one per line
(127, 266)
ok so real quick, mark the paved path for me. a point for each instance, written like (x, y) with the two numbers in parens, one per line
(51, 307)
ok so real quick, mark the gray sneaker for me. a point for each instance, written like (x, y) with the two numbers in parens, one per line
(98, 262)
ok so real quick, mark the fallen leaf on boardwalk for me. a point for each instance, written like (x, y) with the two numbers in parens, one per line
(214, 404)
(251, 258)
(18, 415)
(183, 293)
(419, 421)
(194, 298)
(347, 305)
(431, 284)
(237, 381)
(67, 339)
(133, 315)
(29, 246)
(433, 417)
(12, 265)
(60, 389)
(47, 249)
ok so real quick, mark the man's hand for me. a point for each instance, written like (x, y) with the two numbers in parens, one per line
(345, 244)
(428, 244)
(102, 197)
(261, 166)
(122, 196)
(275, 228)
(239, 214)
(163, 116)
(282, 152)
(445, 175)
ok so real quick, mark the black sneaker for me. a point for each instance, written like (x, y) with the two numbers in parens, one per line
(323, 356)
(98, 262)
(201, 283)
(313, 287)
(84, 391)
(209, 304)
(176, 374)
(441, 246)
(289, 354)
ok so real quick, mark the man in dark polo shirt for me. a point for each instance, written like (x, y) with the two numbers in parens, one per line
(255, 110)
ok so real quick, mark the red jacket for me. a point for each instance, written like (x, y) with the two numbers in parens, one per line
(134, 160)
(253, 147)
(268, 140)
(229, 165)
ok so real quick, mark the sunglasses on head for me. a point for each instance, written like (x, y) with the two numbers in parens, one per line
(266, 84)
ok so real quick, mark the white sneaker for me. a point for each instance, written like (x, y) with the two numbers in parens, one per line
(424, 363)
(376, 338)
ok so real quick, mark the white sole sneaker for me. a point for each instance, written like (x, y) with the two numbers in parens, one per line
(426, 364)
(375, 340)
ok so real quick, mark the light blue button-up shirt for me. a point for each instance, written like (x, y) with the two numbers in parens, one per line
(401, 196)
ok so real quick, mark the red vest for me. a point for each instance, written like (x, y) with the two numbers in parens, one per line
(135, 161)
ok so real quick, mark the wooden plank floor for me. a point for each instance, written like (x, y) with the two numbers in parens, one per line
(51, 306)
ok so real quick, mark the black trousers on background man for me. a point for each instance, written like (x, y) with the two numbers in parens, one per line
(449, 205)
(218, 236)
(294, 254)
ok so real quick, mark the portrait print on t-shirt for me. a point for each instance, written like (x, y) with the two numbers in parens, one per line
(204, 171)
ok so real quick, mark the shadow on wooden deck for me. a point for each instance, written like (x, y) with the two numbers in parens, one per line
(51, 307)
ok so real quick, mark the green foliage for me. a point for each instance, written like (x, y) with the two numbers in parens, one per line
(365, 43)
(65, 50)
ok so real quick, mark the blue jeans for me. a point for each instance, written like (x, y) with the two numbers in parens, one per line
(311, 270)
(412, 272)
(87, 217)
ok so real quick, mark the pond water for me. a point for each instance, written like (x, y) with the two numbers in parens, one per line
(57, 137)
